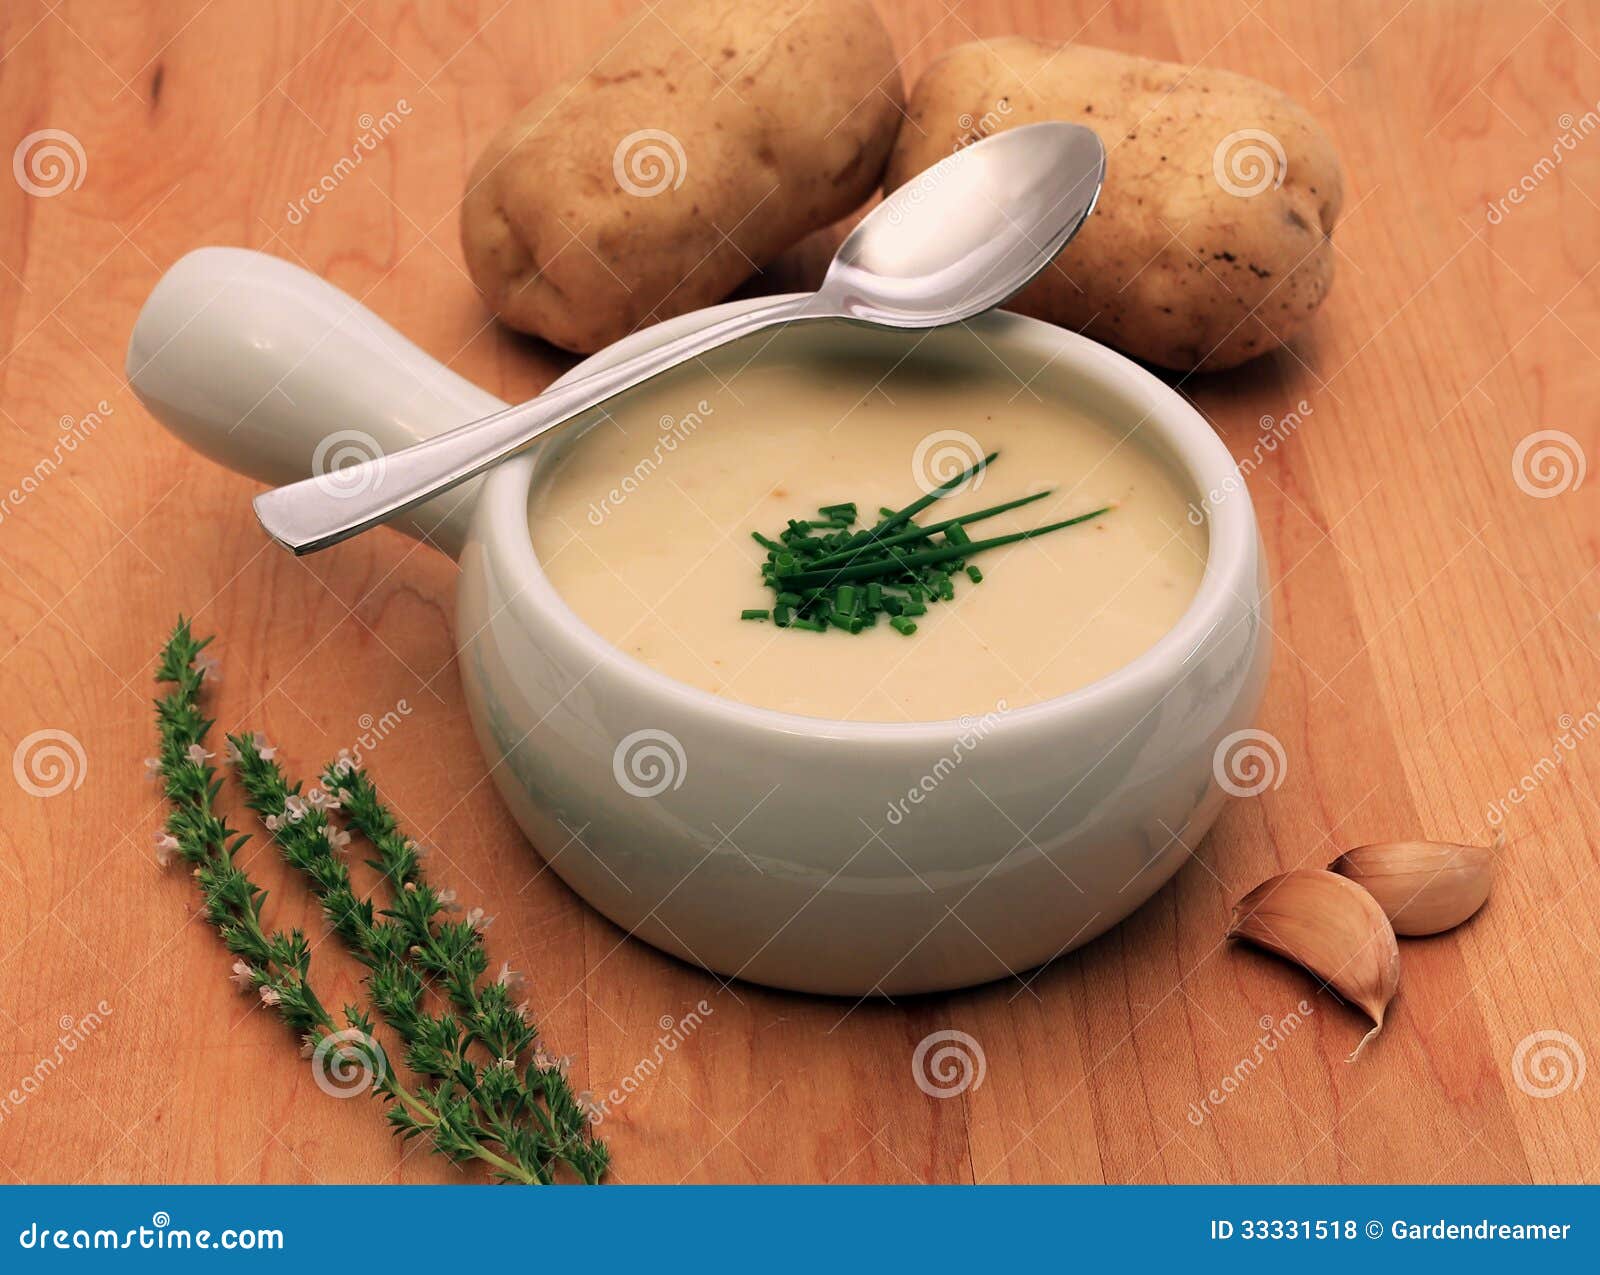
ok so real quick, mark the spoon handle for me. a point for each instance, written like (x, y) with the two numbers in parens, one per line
(323, 510)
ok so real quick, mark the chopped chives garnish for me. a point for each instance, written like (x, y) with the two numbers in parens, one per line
(824, 575)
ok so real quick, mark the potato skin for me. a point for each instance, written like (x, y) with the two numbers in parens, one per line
(783, 113)
(1171, 267)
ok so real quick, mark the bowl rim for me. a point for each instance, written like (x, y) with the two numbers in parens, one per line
(500, 522)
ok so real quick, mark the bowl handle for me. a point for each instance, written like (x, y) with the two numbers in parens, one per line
(277, 374)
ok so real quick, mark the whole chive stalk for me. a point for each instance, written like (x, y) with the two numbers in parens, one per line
(276, 965)
(922, 533)
(917, 506)
(895, 563)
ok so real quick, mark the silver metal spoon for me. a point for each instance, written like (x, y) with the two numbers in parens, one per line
(958, 239)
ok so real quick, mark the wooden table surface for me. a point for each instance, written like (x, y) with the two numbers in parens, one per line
(1437, 625)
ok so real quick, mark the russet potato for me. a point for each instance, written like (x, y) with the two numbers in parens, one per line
(707, 139)
(1211, 241)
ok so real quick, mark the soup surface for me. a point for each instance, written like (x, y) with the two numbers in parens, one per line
(644, 527)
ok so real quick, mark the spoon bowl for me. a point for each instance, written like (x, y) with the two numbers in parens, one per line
(970, 232)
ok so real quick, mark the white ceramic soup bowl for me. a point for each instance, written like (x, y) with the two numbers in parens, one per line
(824, 856)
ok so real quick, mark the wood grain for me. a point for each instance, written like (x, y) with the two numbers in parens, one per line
(1437, 630)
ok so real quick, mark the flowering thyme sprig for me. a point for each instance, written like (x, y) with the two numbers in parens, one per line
(275, 965)
(453, 952)
(402, 949)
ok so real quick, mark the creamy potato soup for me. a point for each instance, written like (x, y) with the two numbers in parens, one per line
(643, 524)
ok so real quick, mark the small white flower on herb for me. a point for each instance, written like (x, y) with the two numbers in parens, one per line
(231, 753)
(525, 1010)
(345, 796)
(166, 848)
(263, 749)
(243, 976)
(345, 763)
(478, 919)
(509, 978)
(506, 1064)
(208, 665)
(152, 769)
(273, 823)
(269, 995)
(338, 839)
(197, 754)
(295, 807)
(447, 900)
(543, 1060)
(308, 1045)
(420, 852)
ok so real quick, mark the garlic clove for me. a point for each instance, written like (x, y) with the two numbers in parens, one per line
(1423, 887)
(1332, 927)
